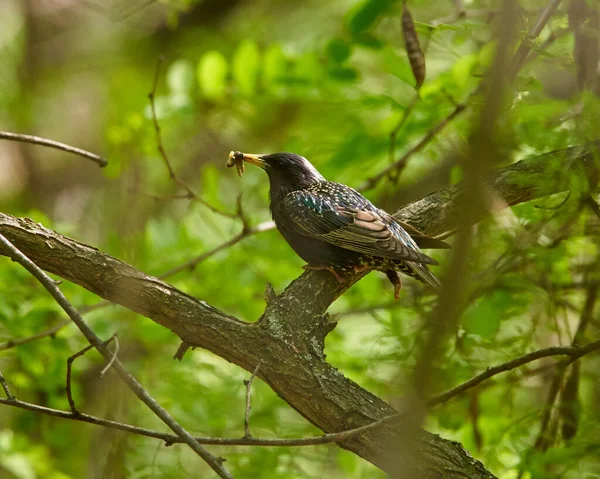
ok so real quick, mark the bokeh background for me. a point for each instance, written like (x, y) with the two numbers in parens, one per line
(329, 80)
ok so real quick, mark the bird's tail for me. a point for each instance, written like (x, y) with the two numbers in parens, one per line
(422, 272)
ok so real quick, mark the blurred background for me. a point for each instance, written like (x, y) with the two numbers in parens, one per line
(329, 80)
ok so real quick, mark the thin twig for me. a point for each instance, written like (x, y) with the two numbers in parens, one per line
(4, 385)
(70, 360)
(248, 384)
(114, 356)
(528, 41)
(16, 255)
(159, 145)
(589, 200)
(399, 125)
(516, 64)
(36, 140)
(12, 343)
(400, 164)
(574, 353)
(191, 264)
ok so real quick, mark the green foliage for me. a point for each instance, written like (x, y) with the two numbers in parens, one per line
(212, 75)
(329, 80)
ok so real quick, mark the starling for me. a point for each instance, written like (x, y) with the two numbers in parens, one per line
(333, 227)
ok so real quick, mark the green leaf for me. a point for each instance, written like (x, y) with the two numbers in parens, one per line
(338, 50)
(274, 65)
(368, 40)
(245, 66)
(484, 317)
(212, 75)
(344, 74)
(366, 15)
(180, 76)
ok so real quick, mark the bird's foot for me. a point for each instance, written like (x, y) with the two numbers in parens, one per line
(394, 278)
(312, 267)
(360, 268)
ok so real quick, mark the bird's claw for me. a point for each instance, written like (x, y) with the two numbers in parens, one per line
(311, 267)
(396, 281)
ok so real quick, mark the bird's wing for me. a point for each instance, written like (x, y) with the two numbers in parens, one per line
(422, 240)
(362, 228)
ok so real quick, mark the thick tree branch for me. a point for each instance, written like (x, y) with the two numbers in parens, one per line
(288, 341)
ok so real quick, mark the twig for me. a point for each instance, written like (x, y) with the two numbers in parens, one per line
(248, 384)
(191, 264)
(135, 9)
(399, 164)
(181, 350)
(117, 15)
(52, 331)
(4, 385)
(114, 356)
(547, 432)
(70, 360)
(399, 126)
(529, 40)
(159, 145)
(516, 65)
(574, 353)
(12, 343)
(452, 297)
(36, 140)
(589, 200)
(246, 232)
(16, 255)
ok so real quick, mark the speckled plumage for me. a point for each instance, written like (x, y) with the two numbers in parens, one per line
(334, 227)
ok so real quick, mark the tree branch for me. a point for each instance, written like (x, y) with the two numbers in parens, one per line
(36, 140)
(50, 285)
(288, 341)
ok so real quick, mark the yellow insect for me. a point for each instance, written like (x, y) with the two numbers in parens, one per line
(236, 158)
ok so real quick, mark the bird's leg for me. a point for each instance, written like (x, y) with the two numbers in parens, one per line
(394, 278)
(312, 267)
(360, 268)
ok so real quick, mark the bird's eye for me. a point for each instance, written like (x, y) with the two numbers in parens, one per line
(238, 156)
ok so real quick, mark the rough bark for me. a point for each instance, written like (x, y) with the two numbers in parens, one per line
(288, 340)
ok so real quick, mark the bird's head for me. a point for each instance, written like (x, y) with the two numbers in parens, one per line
(286, 170)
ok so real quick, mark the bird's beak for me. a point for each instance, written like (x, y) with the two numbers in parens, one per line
(249, 157)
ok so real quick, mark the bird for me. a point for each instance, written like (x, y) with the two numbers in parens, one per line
(333, 227)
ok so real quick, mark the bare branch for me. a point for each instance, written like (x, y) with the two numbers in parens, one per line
(95, 341)
(13, 343)
(70, 360)
(516, 64)
(245, 233)
(114, 356)
(36, 140)
(573, 352)
(181, 350)
(399, 164)
(248, 384)
(4, 385)
(159, 144)
(307, 390)
(529, 40)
